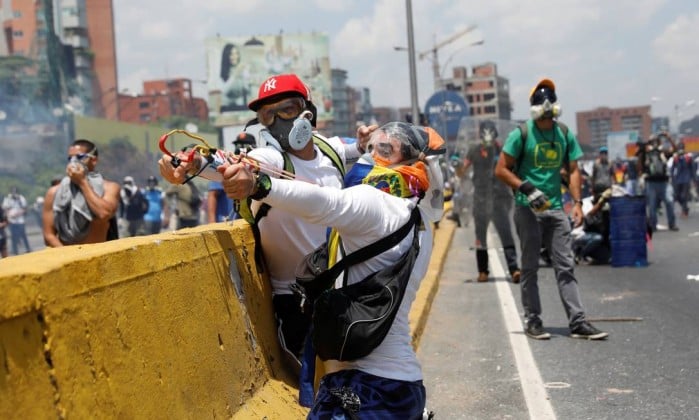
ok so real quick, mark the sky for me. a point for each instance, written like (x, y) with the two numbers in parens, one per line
(598, 52)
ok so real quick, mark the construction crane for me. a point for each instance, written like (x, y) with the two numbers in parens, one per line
(435, 49)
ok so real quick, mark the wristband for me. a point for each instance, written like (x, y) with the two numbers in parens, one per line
(262, 186)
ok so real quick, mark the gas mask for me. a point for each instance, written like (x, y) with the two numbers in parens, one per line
(488, 133)
(290, 133)
(544, 103)
(546, 110)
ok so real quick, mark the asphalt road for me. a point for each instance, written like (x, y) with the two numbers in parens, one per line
(476, 359)
(476, 363)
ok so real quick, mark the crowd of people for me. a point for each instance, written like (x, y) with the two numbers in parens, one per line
(301, 191)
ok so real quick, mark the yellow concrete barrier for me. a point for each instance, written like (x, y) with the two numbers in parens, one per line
(175, 325)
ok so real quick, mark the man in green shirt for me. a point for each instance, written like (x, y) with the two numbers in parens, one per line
(530, 163)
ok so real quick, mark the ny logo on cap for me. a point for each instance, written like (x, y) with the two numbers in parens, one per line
(270, 84)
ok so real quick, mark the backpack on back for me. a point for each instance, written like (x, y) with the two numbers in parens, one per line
(657, 167)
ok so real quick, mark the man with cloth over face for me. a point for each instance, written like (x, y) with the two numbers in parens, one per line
(532, 166)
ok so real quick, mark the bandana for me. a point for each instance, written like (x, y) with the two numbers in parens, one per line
(387, 180)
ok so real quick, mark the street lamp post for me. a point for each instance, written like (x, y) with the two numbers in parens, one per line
(411, 58)
(439, 83)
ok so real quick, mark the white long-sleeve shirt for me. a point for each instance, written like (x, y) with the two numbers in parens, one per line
(363, 214)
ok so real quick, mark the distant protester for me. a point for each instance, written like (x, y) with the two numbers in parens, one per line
(81, 209)
(533, 167)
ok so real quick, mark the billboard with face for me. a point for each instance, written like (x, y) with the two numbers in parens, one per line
(236, 67)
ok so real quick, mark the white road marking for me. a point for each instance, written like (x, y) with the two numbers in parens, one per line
(535, 395)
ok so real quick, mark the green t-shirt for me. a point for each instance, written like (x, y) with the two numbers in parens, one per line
(543, 157)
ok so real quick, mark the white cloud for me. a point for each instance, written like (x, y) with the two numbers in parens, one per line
(677, 46)
(600, 53)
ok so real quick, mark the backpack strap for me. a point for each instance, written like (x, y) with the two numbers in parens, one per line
(330, 152)
(264, 209)
(327, 278)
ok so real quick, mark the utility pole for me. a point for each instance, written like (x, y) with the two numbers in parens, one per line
(411, 58)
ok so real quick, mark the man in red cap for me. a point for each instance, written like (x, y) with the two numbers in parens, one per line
(288, 116)
(531, 164)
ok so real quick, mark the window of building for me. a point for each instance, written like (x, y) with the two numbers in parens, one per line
(491, 83)
(631, 122)
(16, 14)
(488, 96)
(599, 128)
(17, 34)
(69, 11)
(490, 109)
(143, 104)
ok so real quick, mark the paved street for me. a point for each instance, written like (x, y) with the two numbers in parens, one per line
(479, 365)
(475, 357)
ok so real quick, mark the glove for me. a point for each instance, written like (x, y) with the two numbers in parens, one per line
(538, 201)
(607, 194)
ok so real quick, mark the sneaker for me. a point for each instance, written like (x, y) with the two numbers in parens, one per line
(587, 331)
(516, 276)
(482, 276)
(674, 228)
(537, 332)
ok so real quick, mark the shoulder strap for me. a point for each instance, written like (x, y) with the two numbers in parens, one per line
(523, 131)
(374, 249)
(330, 152)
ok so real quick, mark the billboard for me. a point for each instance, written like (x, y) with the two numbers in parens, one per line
(618, 143)
(236, 66)
(444, 110)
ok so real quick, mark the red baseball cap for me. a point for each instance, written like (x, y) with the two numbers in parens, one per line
(278, 87)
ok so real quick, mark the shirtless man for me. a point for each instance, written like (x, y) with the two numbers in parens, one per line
(82, 185)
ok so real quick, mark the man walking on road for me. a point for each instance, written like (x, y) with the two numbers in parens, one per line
(530, 163)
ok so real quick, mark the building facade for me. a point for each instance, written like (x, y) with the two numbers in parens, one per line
(486, 92)
(162, 99)
(594, 126)
(74, 43)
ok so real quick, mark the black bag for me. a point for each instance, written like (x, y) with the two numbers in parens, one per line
(350, 322)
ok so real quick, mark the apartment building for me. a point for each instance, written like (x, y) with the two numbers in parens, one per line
(162, 99)
(486, 92)
(594, 125)
(74, 43)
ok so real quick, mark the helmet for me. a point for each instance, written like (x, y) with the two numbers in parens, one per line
(543, 87)
(543, 100)
(152, 180)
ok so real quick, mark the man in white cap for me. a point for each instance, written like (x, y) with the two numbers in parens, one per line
(531, 164)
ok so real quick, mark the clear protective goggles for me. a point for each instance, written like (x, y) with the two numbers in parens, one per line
(286, 109)
(385, 148)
